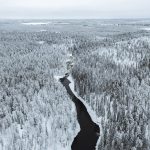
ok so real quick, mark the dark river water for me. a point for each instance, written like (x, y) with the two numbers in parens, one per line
(89, 132)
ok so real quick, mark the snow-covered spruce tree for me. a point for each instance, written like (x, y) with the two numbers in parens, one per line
(113, 78)
(35, 111)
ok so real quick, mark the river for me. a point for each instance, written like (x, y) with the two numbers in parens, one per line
(89, 132)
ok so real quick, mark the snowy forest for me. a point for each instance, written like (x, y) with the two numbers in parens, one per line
(109, 61)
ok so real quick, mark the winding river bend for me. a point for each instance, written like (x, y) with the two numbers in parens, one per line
(89, 132)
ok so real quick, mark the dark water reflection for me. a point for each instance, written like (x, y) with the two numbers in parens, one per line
(89, 131)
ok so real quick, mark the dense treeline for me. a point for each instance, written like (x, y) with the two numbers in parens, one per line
(35, 110)
(113, 75)
(111, 68)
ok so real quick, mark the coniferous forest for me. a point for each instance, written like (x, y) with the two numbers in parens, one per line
(109, 61)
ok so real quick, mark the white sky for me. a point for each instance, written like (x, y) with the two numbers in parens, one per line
(52, 9)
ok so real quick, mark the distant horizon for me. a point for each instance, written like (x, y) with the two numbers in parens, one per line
(136, 18)
(74, 9)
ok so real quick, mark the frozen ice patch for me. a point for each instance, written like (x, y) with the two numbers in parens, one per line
(35, 23)
(62, 23)
(41, 42)
(43, 30)
(147, 29)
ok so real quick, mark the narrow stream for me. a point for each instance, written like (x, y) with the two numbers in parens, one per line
(89, 132)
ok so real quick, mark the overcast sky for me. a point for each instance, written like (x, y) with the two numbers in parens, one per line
(52, 9)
